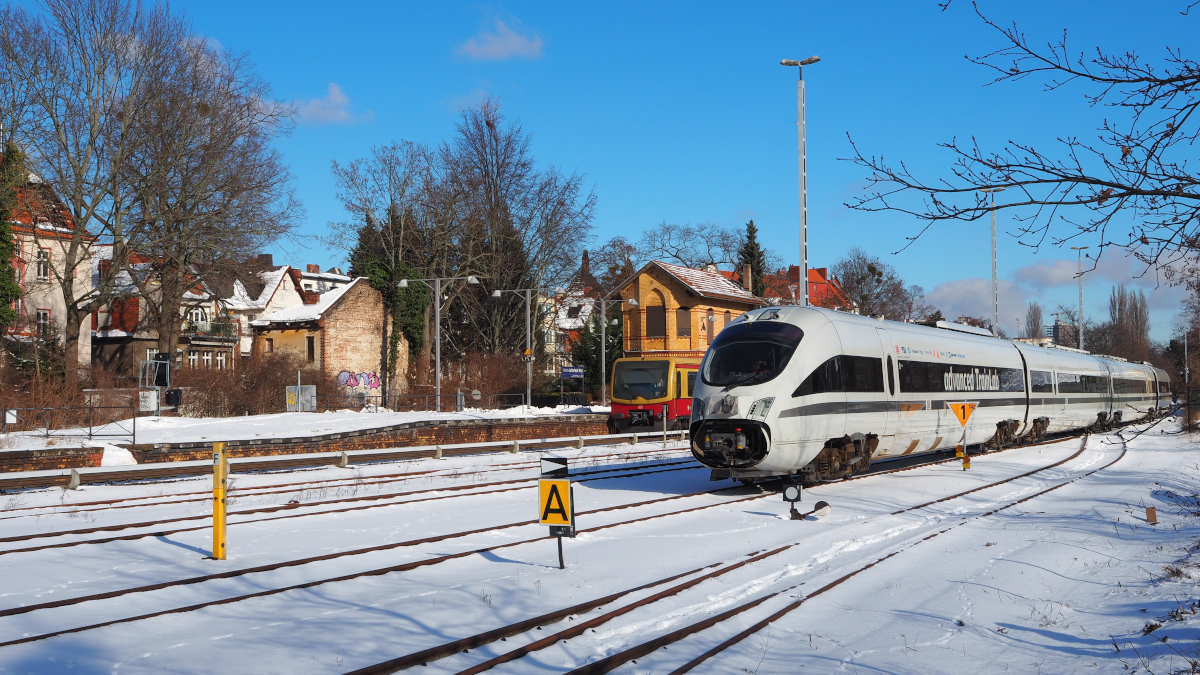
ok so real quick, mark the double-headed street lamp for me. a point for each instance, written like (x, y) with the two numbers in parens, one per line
(528, 294)
(1079, 324)
(995, 286)
(437, 313)
(604, 343)
(799, 65)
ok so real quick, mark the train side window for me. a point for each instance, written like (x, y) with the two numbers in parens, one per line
(679, 384)
(1070, 383)
(824, 378)
(891, 377)
(844, 373)
(1041, 382)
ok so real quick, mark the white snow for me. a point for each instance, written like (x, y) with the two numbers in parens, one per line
(307, 312)
(279, 425)
(1062, 583)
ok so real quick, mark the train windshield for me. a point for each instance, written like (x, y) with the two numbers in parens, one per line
(750, 353)
(640, 379)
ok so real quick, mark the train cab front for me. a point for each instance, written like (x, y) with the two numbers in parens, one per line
(734, 406)
(650, 394)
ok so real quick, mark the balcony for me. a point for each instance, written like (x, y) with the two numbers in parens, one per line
(210, 328)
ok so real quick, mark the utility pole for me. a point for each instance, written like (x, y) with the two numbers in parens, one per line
(803, 158)
(1079, 323)
(995, 282)
(604, 345)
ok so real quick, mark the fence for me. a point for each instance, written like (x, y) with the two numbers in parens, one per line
(74, 422)
(414, 402)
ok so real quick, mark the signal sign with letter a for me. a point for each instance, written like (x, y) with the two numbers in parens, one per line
(554, 502)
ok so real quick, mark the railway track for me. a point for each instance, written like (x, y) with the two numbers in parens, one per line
(698, 576)
(374, 572)
(507, 486)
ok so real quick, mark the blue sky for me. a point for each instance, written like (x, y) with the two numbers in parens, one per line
(681, 112)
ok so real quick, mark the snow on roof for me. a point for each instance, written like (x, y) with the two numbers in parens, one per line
(329, 276)
(706, 283)
(240, 299)
(299, 313)
(563, 319)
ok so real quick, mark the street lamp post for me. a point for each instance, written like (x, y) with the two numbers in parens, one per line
(437, 330)
(527, 293)
(803, 158)
(1079, 324)
(995, 283)
(604, 344)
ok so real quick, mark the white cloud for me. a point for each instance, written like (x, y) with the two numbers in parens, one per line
(502, 43)
(334, 108)
(468, 100)
(973, 297)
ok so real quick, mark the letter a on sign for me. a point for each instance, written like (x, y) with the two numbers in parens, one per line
(554, 502)
(962, 411)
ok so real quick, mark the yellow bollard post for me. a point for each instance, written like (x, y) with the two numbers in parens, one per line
(220, 480)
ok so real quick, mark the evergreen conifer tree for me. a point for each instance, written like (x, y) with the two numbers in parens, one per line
(751, 253)
(12, 176)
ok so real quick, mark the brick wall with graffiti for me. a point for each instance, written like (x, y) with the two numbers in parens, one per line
(351, 338)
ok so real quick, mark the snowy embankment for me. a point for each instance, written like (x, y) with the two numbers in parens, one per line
(1067, 581)
(280, 425)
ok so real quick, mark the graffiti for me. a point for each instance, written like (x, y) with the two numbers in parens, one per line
(349, 379)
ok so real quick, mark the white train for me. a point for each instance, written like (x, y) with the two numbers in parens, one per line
(818, 394)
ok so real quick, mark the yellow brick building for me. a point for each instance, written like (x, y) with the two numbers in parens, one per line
(679, 310)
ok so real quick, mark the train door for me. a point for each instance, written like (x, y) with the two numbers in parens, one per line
(888, 435)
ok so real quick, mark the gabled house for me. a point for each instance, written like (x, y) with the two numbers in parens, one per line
(571, 311)
(42, 227)
(679, 310)
(215, 333)
(341, 334)
(823, 290)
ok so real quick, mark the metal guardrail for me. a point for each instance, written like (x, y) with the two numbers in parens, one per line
(418, 402)
(48, 478)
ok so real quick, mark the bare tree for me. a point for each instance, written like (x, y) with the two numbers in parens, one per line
(690, 245)
(1136, 170)
(616, 261)
(912, 305)
(1033, 320)
(521, 226)
(873, 286)
(382, 194)
(208, 187)
(83, 69)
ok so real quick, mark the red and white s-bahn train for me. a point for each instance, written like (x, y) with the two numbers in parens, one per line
(817, 394)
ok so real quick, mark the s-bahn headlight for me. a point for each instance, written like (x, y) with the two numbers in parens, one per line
(760, 408)
(697, 408)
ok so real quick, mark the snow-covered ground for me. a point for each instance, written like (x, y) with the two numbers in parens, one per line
(280, 425)
(1073, 580)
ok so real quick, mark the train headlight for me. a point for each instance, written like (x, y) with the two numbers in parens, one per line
(760, 408)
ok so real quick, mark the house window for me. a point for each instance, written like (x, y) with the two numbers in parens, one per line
(193, 357)
(150, 352)
(220, 360)
(728, 317)
(683, 322)
(573, 311)
(311, 348)
(196, 315)
(656, 321)
(207, 360)
(43, 323)
(270, 346)
(43, 265)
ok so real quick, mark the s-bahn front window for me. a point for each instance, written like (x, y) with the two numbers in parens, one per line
(641, 379)
(749, 353)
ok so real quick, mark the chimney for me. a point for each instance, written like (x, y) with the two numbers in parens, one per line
(266, 260)
(746, 278)
(314, 269)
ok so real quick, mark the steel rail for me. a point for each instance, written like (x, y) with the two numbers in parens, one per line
(614, 660)
(449, 648)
